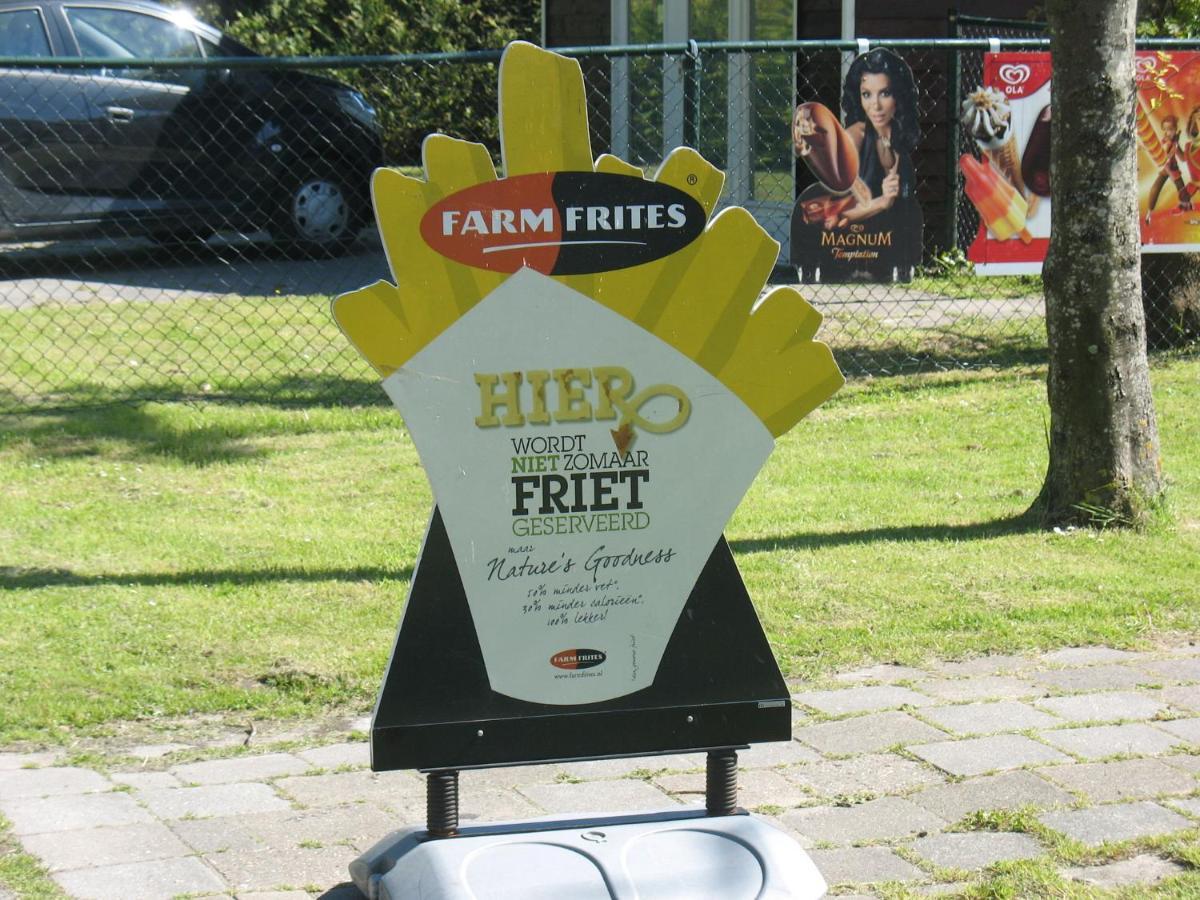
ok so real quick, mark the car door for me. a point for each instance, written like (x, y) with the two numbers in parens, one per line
(45, 127)
(147, 152)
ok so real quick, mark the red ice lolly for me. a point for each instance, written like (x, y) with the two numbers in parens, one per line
(1002, 208)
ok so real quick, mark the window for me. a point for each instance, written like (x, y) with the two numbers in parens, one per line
(773, 20)
(22, 33)
(645, 22)
(226, 47)
(116, 33)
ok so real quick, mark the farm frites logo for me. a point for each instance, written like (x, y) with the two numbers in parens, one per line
(563, 223)
(578, 659)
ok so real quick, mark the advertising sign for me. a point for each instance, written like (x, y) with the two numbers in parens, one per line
(584, 469)
(860, 220)
(591, 384)
(1007, 179)
(1168, 132)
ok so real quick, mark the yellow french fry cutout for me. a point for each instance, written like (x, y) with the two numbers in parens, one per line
(687, 170)
(453, 164)
(812, 377)
(614, 165)
(708, 332)
(780, 319)
(700, 299)
(373, 320)
(543, 112)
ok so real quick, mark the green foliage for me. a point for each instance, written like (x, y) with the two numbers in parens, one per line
(352, 27)
(949, 263)
(1168, 18)
(412, 101)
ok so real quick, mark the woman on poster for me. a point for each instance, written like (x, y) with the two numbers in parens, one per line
(879, 108)
(861, 223)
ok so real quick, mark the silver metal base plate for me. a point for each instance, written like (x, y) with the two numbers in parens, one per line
(677, 855)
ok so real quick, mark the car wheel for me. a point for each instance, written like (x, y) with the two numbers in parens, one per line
(319, 216)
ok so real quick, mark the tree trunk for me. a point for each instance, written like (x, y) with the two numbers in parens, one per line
(1104, 452)
(1171, 299)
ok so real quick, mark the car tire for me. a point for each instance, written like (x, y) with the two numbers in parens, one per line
(318, 215)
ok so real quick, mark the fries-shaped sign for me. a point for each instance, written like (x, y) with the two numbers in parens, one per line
(592, 383)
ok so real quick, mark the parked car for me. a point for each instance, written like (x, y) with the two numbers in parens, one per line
(149, 151)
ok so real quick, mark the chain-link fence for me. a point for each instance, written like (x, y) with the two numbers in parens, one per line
(174, 227)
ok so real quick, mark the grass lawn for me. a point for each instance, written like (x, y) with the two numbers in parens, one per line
(169, 559)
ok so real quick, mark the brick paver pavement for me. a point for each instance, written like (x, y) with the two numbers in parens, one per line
(884, 780)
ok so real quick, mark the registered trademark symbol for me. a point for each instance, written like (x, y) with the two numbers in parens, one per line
(692, 179)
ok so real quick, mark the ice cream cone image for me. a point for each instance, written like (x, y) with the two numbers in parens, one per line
(1007, 161)
(987, 116)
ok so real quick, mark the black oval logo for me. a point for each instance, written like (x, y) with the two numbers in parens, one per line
(563, 223)
(578, 659)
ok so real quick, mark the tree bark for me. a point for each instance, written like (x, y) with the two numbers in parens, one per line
(1104, 467)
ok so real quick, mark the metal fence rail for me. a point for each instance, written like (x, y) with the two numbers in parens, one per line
(175, 228)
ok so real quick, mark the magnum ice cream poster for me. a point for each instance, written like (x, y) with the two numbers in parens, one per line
(860, 220)
(1007, 176)
(590, 386)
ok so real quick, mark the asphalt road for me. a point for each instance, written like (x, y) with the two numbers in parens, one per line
(134, 270)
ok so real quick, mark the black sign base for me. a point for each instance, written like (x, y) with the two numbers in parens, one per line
(718, 684)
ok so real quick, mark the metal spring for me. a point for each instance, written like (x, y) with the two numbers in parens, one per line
(720, 783)
(441, 803)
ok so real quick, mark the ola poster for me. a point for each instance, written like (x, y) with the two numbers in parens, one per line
(1007, 177)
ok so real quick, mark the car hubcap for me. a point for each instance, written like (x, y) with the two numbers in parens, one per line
(320, 212)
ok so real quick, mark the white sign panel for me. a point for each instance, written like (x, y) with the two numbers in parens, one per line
(585, 469)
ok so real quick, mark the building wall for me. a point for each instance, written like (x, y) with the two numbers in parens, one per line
(576, 23)
(888, 19)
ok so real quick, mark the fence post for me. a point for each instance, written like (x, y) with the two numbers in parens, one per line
(619, 68)
(953, 101)
(691, 95)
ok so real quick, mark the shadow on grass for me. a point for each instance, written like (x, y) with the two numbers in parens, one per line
(78, 432)
(283, 391)
(15, 578)
(1024, 523)
(938, 350)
